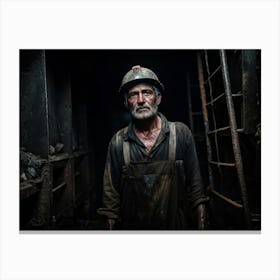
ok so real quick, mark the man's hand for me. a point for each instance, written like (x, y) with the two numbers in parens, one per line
(202, 217)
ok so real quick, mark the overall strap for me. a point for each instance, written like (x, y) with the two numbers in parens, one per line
(172, 141)
(126, 150)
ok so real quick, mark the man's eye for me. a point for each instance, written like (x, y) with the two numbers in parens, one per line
(132, 94)
(148, 93)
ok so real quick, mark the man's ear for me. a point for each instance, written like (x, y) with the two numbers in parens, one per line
(125, 102)
(158, 100)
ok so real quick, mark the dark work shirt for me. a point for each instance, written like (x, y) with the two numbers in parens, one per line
(185, 150)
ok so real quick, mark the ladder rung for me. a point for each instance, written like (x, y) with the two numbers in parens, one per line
(223, 129)
(232, 202)
(237, 94)
(255, 217)
(222, 163)
(221, 95)
(215, 99)
(215, 71)
(59, 187)
(218, 130)
(196, 113)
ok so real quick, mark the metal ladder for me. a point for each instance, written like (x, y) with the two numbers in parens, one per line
(213, 132)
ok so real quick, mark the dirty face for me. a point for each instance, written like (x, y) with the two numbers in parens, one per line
(142, 101)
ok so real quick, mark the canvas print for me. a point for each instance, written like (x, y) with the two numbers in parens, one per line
(140, 140)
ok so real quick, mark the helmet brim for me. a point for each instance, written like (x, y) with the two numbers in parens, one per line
(123, 89)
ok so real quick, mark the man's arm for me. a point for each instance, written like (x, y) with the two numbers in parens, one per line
(195, 188)
(111, 197)
(197, 194)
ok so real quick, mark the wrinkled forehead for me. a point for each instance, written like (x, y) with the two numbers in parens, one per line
(140, 87)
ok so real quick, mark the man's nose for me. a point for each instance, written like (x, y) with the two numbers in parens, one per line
(140, 98)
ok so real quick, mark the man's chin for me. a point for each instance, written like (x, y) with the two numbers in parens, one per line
(143, 115)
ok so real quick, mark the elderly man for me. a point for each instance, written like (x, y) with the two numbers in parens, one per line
(152, 179)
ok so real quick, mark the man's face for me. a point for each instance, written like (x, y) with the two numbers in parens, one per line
(142, 101)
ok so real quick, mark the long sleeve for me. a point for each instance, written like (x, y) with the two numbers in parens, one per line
(111, 179)
(195, 187)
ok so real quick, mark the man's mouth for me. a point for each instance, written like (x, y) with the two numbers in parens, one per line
(142, 109)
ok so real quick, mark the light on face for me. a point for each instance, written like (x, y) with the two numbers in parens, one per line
(143, 94)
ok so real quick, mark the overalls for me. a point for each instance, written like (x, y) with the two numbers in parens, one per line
(153, 192)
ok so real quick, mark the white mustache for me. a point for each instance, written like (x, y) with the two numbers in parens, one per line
(152, 110)
(146, 106)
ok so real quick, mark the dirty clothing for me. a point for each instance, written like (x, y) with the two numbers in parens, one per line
(155, 189)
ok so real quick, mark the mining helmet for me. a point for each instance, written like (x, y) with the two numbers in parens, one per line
(138, 75)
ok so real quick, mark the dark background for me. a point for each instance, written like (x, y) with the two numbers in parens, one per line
(71, 97)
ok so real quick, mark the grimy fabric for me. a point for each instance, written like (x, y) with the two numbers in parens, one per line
(156, 189)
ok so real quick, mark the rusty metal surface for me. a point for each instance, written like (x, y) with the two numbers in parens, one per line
(53, 125)
(33, 100)
(59, 103)
(235, 139)
(251, 109)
